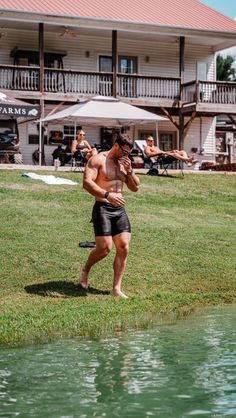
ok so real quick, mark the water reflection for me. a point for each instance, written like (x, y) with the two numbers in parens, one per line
(179, 370)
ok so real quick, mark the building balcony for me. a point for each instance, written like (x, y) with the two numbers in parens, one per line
(78, 83)
(214, 97)
(58, 84)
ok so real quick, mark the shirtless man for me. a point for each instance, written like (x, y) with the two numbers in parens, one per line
(104, 177)
(152, 151)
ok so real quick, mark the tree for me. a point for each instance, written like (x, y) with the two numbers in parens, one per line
(225, 69)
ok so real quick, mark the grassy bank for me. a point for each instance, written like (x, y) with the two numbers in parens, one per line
(182, 254)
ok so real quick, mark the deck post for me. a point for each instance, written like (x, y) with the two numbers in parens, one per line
(181, 64)
(114, 62)
(181, 74)
(41, 57)
(181, 130)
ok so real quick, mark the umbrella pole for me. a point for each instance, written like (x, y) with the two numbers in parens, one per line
(157, 138)
(41, 136)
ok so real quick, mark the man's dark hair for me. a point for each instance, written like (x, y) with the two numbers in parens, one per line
(124, 139)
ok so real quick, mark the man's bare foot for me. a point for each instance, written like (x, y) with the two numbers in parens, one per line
(83, 279)
(119, 294)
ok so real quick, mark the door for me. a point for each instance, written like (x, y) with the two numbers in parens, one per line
(105, 81)
(205, 89)
(127, 85)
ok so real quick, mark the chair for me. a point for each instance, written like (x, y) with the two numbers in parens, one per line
(163, 162)
(78, 161)
(146, 160)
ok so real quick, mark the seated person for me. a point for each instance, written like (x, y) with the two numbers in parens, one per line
(80, 144)
(155, 152)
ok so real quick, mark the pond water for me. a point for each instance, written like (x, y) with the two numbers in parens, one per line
(184, 369)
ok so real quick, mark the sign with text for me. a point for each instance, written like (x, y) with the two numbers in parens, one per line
(19, 111)
(14, 108)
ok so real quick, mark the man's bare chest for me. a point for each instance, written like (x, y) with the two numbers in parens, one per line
(111, 171)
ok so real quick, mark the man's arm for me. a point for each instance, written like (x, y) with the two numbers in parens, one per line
(132, 181)
(90, 175)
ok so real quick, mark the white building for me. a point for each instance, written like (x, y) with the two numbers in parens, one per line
(157, 55)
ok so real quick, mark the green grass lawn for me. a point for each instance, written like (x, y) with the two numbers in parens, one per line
(182, 255)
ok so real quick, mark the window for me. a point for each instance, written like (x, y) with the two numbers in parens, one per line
(105, 81)
(127, 86)
(105, 64)
(31, 58)
(34, 139)
(127, 65)
(69, 134)
(106, 138)
(167, 141)
(144, 134)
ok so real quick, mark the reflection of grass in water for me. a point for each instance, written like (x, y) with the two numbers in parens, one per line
(181, 256)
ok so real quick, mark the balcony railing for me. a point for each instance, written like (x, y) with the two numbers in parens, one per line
(91, 83)
(127, 85)
(134, 86)
(216, 92)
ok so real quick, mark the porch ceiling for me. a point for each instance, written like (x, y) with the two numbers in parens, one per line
(216, 40)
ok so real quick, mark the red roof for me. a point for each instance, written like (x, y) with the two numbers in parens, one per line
(173, 13)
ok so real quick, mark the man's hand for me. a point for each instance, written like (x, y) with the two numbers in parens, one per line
(116, 199)
(126, 162)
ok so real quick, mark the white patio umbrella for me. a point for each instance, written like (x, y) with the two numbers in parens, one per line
(102, 111)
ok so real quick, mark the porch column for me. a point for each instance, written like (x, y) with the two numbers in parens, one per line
(41, 57)
(181, 130)
(181, 58)
(114, 62)
(181, 75)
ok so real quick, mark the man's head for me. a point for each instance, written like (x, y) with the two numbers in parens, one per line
(150, 140)
(123, 144)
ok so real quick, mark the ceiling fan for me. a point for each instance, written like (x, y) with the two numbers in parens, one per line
(68, 32)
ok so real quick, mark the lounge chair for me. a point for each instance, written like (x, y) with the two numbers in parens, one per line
(162, 163)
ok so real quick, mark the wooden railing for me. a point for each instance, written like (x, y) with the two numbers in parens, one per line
(134, 85)
(217, 92)
(127, 85)
(55, 80)
(19, 78)
(91, 83)
(68, 81)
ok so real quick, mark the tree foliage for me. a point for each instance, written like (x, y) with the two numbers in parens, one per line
(225, 69)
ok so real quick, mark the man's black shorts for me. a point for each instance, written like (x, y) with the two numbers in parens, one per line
(109, 220)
